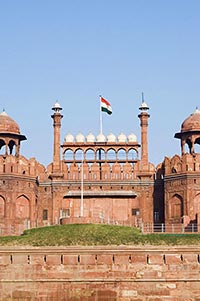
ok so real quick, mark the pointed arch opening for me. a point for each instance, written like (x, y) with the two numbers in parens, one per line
(2, 207)
(176, 208)
(2, 147)
(22, 207)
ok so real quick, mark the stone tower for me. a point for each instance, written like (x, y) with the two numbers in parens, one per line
(144, 116)
(57, 116)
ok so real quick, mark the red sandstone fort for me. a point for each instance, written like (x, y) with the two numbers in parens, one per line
(99, 179)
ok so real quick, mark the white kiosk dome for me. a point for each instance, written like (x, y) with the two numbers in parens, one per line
(122, 137)
(80, 137)
(69, 138)
(111, 137)
(101, 138)
(132, 138)
(90, 138)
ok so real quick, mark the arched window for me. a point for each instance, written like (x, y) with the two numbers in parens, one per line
(100, 155)
(22, 207)
(69, 155)
(11, 146)
(111, 155)
(79, 155)
(176, 207)
(2, 147)
(132, 154)
(90, 155)
(2, 207)
(121, 154)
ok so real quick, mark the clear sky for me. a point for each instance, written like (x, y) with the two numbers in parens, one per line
(74, 50)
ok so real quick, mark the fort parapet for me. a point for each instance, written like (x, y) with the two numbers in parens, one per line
(100, 273)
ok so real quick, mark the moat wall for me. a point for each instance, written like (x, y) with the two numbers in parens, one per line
(96, 273)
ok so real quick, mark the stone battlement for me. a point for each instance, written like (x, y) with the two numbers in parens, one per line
(86, 273)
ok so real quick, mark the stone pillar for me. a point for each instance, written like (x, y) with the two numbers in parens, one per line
(57, 125)
(144, 116)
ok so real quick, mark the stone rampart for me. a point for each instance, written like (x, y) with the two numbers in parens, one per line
(100, 273)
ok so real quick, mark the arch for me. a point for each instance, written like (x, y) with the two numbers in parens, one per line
(90, 154)
(2, 147)
(2, 206)
(78, 154)
(100, 154)
(196, 205)
(111, 155)
(176, 208)
(69, 154)
(11, 146)
(121, 154)
(22, 207)
(132, 154)
(197, 145)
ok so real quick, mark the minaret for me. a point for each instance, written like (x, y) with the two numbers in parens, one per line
(144, 116)
(56, 151)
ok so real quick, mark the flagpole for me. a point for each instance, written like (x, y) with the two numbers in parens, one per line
(81, 209)
(101, 130)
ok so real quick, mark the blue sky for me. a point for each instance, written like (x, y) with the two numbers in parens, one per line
(72, 51)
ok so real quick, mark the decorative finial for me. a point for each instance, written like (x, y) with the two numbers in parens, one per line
(57, 108)
(142, 96)
(144, 106)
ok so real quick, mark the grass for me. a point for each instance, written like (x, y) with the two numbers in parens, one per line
(95, 235)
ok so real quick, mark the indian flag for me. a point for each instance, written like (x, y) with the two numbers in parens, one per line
(105, 106)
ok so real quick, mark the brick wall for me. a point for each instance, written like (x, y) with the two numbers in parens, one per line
(94, 273)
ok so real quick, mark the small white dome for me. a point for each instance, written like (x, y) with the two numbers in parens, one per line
(90, 138)
(122, 137)
(111, 138)
(132, 138)
(69, 138)
(144, 106)
(57, 107)
(101, 138)
(80, 137)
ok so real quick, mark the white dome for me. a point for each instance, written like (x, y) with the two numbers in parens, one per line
(90, 138)
(69, 138)
(56, 107)
(122, 137)
(101, 138)
(80, 137)
(144, 106)
(132, 138)
(111, 138)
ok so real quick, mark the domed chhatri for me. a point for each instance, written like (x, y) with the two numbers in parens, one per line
(90, 138)
(192, 123)
(122, 137)
(80, 137)
(111, 138)
(69, 138)
(190, 132)
(132, 138)
(101, 138)
(8, 125)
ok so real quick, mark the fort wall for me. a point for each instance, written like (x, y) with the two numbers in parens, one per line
(96, 273)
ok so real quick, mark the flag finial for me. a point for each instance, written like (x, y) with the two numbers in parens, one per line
(142, 96)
